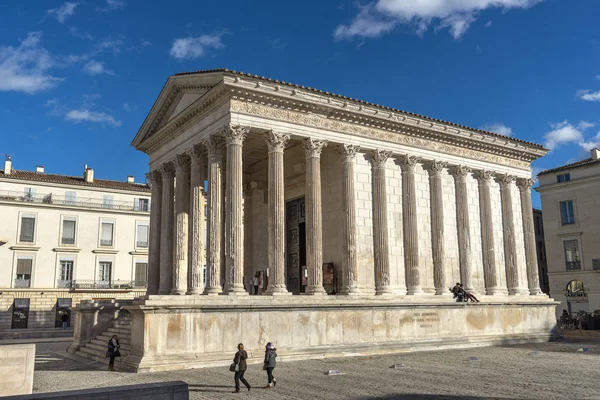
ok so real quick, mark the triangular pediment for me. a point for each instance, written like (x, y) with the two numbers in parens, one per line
(179, 93)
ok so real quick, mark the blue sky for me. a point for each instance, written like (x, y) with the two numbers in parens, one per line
(78, 78)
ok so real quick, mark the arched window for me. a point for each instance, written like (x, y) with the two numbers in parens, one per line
(575, 287)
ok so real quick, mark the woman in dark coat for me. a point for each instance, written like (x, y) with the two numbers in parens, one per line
(270, 363)
(240, 368)
(113, 351)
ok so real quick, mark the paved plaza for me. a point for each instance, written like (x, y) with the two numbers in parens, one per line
(554, 370)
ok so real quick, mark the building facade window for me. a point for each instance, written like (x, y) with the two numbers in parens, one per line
(567, 212)
(69, 226)
(24, 270)
(107, 201)
(65, 277)
(142, 236)
(563, 178)
(572, 254)
(141, 204)
(107, 233)
(27, 231)
(70, 198)
(141, 275)
(105, 273)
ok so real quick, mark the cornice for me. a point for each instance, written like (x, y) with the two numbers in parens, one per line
(65, 250)
(374, 116)
(24, 248)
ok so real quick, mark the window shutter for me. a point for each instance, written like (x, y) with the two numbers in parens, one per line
(136, 204)
(68, 234)
(24, 266)
(27, 229)
(141, 272)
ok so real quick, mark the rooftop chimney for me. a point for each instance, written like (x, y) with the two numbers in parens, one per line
(595, 154)
(88, 174)
(7, 166)
(39, 169)
(130, 179)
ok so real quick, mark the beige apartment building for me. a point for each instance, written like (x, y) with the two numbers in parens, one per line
(571, 212)
(64, 239)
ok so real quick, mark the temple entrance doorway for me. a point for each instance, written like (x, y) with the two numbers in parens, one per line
(296, 246)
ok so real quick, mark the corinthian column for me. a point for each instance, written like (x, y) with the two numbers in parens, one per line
(533, 280)
(197, 224)
(411, 231)
(234, 224)
(508, 224)
(314, 216)
(349, 261)
(155, 181)
(460, 174)
(166, 224)
(380, 223)
(214, 147)
(182, 209)
(435, 169)
(276, 143)
(490, 275)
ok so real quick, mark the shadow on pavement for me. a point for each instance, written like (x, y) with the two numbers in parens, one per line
(413, 396)
(210, 388)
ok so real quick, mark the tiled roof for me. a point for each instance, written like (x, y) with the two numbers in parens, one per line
(75, 180)
(225, 70)
(583, 163)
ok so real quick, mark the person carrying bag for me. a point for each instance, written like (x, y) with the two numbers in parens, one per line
(239, 367)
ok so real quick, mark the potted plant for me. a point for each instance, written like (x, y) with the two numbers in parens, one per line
(582, 318)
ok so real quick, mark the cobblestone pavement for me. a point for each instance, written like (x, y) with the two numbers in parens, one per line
(538, 371)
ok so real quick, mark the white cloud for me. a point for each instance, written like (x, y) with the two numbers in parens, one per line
(26, 68)
(381, 16)
(75, 32)
(94, 67)
(598, 77)
(63, 12)
(564, 133)
(498, 128)
(588, 95)
(111, 5)
(488, 24)
(583, 125)
(194, 47)
(85, 115)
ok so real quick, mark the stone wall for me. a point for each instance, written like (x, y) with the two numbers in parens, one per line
(16, 369)
(42, 303)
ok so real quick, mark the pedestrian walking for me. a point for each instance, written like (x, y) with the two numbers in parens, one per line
(240, 368)
(113, 351)
(65, 320)
(270, 363)
(255, 283)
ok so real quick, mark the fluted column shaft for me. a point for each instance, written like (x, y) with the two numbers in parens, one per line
(490, 275)
(234, 224)
(460, 174)
(276, 142)
(533, 279)
(349, 261)
(166, 224)
(380, 222)
(411, 231)
(435, 169)
(197, 224)
(214, 146)
(182, 210)
(155, 180)
(314, 216)
(508, 224)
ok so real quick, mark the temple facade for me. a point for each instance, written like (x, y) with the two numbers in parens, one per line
(357, 217)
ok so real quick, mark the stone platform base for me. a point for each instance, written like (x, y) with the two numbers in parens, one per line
(181, 332)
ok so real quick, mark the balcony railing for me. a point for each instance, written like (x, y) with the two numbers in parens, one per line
(83, 202)
(22, 283)
(143, 245)
(64, 284)
(573, 265)
(105, 242)
(90, 284)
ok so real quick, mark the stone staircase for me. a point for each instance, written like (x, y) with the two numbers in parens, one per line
(97, 347)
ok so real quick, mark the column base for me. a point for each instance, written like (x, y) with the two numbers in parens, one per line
(316, 290)
(443, 292)
(496, 292)
(415, 290)
(213, 291)
(236, 290)
(194, 292)
(177, 292)
(277, 290)
(536, 292)
(518, 292)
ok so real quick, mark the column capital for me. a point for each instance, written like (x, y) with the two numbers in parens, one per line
(167, 170)
(525, 184)
(460, 171)
(276, 141)
(408, 162)
(434, 167)
(505, 179)
(214, 145)
(483, 176)
(154, 178)
(197, 153)
(379, 157)
(182, 162)
(313, 147)
(235, 134)
(347, 152)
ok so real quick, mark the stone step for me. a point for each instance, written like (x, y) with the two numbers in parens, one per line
(117, 331)
(124, 346)
(105, 337)
(90, 351)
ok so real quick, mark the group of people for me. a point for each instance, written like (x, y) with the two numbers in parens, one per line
(461, 295)
(240, 366)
